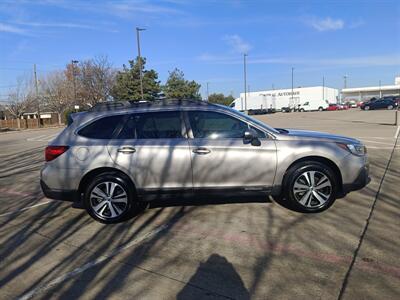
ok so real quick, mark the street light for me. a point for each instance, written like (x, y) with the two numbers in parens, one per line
(345, 81)
(207, 91)
(73, 63)
(139, 59)
(292, 88)
(245, 82)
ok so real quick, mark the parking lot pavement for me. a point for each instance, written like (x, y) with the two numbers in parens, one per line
(242, 250)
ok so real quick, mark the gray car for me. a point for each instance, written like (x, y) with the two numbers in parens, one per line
(118, 156)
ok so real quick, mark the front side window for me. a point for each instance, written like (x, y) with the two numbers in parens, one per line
(154, 125)
(102, 128)
(213, 125)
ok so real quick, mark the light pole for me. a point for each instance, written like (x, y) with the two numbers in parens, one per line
(139, 59)
(345, 81)
(73, 62)
(207, 91)
(37, 94)
(292, 88)
(380, 89)
(245, 82)
(323, 88)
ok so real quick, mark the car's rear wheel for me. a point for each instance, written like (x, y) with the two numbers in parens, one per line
(390, 107)
(110, 198)
(320, 108)
(310, 187)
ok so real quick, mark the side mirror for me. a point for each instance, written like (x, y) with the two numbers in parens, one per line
(250, 136)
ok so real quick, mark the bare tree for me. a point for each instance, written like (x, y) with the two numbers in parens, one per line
(96, 79)
(56, 93)
(20, 100)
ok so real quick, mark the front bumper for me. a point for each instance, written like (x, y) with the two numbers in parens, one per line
(361, 181)
(64, 195)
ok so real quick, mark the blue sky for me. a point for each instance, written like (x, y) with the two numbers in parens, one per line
(206, 39)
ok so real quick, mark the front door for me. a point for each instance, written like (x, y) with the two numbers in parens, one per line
(221, 159)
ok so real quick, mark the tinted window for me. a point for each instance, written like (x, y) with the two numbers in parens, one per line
(214, 125)
(102, 128)
(160, 125)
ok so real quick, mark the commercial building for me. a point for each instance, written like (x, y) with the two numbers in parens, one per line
(366, 93)
(318, 96)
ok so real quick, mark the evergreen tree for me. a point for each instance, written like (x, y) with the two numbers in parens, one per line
(177, 87)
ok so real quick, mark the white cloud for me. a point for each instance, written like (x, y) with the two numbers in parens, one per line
(11, 29)
(359, 61)
(326, 24)
(237, 44)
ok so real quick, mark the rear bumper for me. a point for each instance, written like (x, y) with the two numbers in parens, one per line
(361, 181)
(64, 195)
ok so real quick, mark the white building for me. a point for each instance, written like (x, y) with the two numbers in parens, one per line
(366, 93)
(316, 96)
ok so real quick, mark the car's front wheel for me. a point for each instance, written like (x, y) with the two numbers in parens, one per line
(109, 198)
(310, 187)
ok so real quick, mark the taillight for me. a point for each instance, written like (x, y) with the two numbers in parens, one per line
(53, 152)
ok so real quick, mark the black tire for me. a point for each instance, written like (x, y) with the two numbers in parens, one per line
(295, 175)
(366, 108)
(302, 110)
(390, 107)
(320, 108)
(123, 184)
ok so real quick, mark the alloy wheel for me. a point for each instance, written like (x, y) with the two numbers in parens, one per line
(108, 200)
(312, 189)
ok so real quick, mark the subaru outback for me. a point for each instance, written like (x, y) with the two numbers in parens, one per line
(120, 155)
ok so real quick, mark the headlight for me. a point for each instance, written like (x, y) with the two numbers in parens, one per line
(356, 149)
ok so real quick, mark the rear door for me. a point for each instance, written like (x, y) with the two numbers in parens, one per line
(221, 160)
(153, 148)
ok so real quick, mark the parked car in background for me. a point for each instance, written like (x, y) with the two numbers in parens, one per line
(332, 107)
(118, 156)
(351, 104)
(343, 106)
(379, 104)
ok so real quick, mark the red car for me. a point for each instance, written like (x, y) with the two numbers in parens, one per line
(333, 107)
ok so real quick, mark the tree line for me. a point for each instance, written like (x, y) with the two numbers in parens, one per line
(92, 81)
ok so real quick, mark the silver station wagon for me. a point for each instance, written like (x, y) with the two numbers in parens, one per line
(120, 155)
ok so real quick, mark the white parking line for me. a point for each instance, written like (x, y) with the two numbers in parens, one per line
(375, 142)
(397, 132)
(25, 208)
(91, 264)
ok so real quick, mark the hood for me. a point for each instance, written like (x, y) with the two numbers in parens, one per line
(316, 135)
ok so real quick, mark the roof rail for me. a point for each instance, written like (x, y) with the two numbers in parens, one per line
(116, 105)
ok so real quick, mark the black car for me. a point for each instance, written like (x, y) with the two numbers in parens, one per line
(382, 103)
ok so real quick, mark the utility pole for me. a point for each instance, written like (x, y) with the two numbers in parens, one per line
(323, 88)
(73, 62)
(207, 91)
(37, 93)
(292, 88)
(345, 81)
(139, 59)
(245, 82)
(380, 89)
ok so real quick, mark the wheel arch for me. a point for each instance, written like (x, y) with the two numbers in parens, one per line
(323, 160)
(93, 173)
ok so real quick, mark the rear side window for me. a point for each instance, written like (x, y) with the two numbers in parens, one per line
(157, 125)
(103, 128)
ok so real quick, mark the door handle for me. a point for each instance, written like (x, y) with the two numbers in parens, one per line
(201, 151)
(127, 150)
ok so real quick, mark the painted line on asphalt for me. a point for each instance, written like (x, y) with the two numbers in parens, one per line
(397, 132)
(91, 264)
(17, 193)
(25, 208)
(375, 142)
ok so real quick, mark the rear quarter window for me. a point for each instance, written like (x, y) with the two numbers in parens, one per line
(103, 128)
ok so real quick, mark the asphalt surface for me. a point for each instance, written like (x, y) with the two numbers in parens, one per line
(183, 250)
